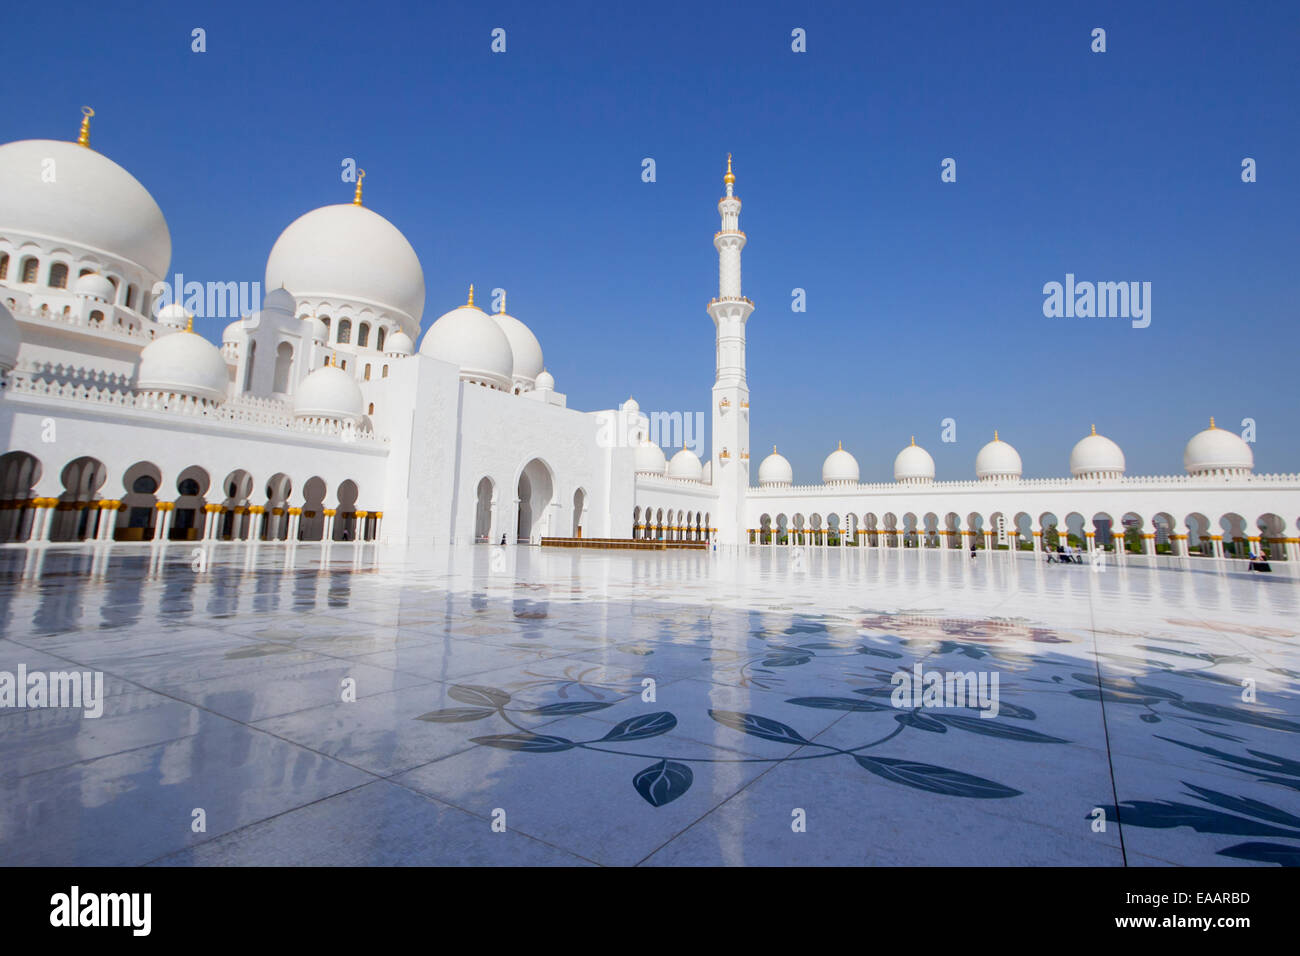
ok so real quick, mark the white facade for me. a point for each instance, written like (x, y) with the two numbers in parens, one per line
(318, 417)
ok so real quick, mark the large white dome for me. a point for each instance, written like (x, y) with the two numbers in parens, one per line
(840, 468)
(1217, 451)
(997, 460)
(10, 339)
(913, 465)
(1096, 456)
(183, 363)
(348, 252)
(468, 338)
(775, 470)
(329, 393)
(650, 459)
(686, 466)
(525, 348)
(91, 202)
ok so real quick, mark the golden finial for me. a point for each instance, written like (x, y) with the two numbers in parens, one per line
(83, 139)
(730, 178)
(841, 446)
(189, 323)
(503, 301)
(356, 200)
(995, 434)
(774, 449)
(1094, 429)
(471, 295)
(1211, 421)
(914, 440)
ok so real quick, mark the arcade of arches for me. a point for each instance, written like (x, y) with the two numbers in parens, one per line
(186, 506)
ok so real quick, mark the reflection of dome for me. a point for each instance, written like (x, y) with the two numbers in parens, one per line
(650, 459)
(524, 347)
(10, 339)
(546, 382)
(183, 363)
(95, 286)
(1217, 451)
(913, 466)
(775, 471)
(1096, 456)
(399, 343)
(839, 468)
(174, 316)
(329, 393)
(348, 252)
(92, 202)
(997, 460)
(467, 337)
(685, 465)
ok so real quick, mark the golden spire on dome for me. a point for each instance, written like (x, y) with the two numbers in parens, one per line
(774, 449)
(1094, 429)
(995, 434)
(83, 138)
(730, 178)
(189, 323)
(841, 446)
(470, 303)
(1211, 421)
(361, 175)
(503, 301)
(913, 441)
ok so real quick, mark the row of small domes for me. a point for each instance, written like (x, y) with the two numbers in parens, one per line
(1212, 451)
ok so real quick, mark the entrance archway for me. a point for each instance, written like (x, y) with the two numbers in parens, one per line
(534, 491)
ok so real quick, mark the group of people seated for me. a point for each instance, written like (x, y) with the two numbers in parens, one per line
(1257, 563)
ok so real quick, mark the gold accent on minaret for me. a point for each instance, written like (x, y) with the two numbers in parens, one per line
(774, 449)
(730, 178)
(1211, 421)
(841, 446)
(83, 138)
(361, 175)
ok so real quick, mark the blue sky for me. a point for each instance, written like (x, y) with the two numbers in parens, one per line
(523, 171)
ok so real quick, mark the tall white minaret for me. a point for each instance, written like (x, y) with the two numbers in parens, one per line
(730, 311)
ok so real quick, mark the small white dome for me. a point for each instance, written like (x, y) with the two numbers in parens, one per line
(840, 468)
(10, 339)
(546, 383)
(184, 363)
(650, 459)
(775, 471)
(468, 338)
(95, 286)
(348, 252)
(279, 300)
(399, 343)
(631, 406)
(997, 460)
(524, 347)
(174, 316)
(329, 393)
(1096, 456)
(316, 329)
(1217, 451)
(233, 333)
(686, 466)
(913, 465)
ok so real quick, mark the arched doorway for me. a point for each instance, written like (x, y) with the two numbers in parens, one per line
(579, 506)
(483, 510)
(534, 491)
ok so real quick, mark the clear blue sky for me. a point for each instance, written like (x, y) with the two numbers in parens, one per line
(522, 171)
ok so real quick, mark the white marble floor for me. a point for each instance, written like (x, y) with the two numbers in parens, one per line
(525, 707)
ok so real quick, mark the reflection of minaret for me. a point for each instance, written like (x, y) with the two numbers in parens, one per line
(730, 311)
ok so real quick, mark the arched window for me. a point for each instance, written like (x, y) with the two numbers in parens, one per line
(283, 363)
(363, 334)
(372, 409)
(367, 371)
(96, 317)
(248, 369)
(4, 265)
(130, 297)
(58, 276)
(380, 336)
(345, 331)
(28, 274)
(385, 375)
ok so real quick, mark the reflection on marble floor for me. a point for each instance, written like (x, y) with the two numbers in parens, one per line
(359, 706)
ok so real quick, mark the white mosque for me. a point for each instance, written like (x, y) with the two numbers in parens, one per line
(319, 419)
